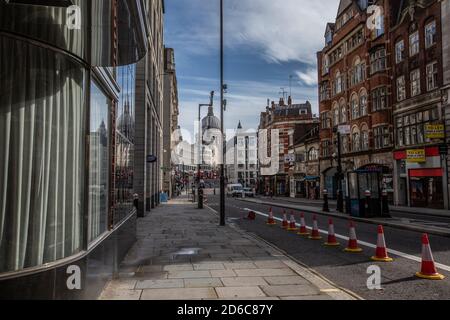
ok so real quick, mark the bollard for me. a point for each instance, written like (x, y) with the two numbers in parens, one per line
(340, 202)
(326, 208)
(368, 209)
(385, 205)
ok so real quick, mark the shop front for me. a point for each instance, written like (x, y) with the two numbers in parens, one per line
(421, 178)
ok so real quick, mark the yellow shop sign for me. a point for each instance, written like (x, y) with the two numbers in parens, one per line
(416, 156)
(434, 131)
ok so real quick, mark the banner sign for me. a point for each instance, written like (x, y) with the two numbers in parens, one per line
(434, 131)
(416, 156)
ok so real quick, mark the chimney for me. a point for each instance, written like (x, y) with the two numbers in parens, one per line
(273, 105)
(290, 101)
(281, 102)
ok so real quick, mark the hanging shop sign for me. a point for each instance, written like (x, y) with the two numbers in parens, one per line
(434, 131)
(416, 156)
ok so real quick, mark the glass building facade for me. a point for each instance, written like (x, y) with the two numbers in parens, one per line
(67, 111)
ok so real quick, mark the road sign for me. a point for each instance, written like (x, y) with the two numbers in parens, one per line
(151, 159)
(344, 129)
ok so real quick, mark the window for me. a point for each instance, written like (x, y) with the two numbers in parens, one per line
(357, 74)
(410, 129)
(98, 163)
(379, 99)
(378, 61)
(42, 130)
(401, 88)
(415, 82)
(430, 34)
(399, 51)
(363, 103)
(313, 155)
(364, 138)
(345, 143)
(432, 76)
(324, 91)
(124, 162)
(343, 108)
(355, 106)
(414, 44)
(336, 119)
(326, 148)
(338, 83)
(356, 140)
(325, 120)
(382, 137)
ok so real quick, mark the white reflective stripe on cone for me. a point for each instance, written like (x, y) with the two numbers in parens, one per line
(381, 242)
(352, 234)
(427, 255)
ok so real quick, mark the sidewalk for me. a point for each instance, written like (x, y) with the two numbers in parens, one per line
(332, 203)
(182, 253)
(400, 223)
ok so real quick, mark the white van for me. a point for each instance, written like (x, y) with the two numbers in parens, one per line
(235, 190)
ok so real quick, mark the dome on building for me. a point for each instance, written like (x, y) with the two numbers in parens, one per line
(210, 121)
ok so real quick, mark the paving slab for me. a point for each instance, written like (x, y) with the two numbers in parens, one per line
(178, 294)
(239, 292)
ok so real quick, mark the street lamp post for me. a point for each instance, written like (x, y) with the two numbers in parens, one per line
(222, 105)
(200, 153)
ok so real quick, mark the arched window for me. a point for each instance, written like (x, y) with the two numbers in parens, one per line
(356, 140)
(363, 103)
(313, 154)
(364, 138)
(354, 106)
(336, 119)
(343, 109)
(345, 147)
(338, 83)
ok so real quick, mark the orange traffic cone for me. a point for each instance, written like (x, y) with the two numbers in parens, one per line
(303, 230)
(353, 241)
(332, 242)
(271, 220)
(428, 268)
(285, 223)
(315, 235)
(381, 252)
(292, 223)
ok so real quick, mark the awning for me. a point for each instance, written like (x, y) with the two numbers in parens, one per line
(312, 178)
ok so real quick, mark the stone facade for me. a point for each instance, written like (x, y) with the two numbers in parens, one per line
(170, 119)
(445, 13)
(287, 118)
(149, 106)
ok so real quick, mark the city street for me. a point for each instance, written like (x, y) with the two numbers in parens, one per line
(345, 269)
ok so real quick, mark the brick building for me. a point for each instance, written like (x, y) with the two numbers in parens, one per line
(304, 173)
(355, 100)
(445, 18)
(417, 64)
(287, 118)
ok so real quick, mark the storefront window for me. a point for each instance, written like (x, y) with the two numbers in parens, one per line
(98, 163)
(42, 151)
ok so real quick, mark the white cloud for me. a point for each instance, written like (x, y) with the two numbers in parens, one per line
(285, 30)
(281, 30)
(309, 77)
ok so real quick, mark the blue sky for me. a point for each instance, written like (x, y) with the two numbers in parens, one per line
(266, 41)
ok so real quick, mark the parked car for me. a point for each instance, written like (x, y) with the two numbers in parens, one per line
(235, 190)
(249, 192)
